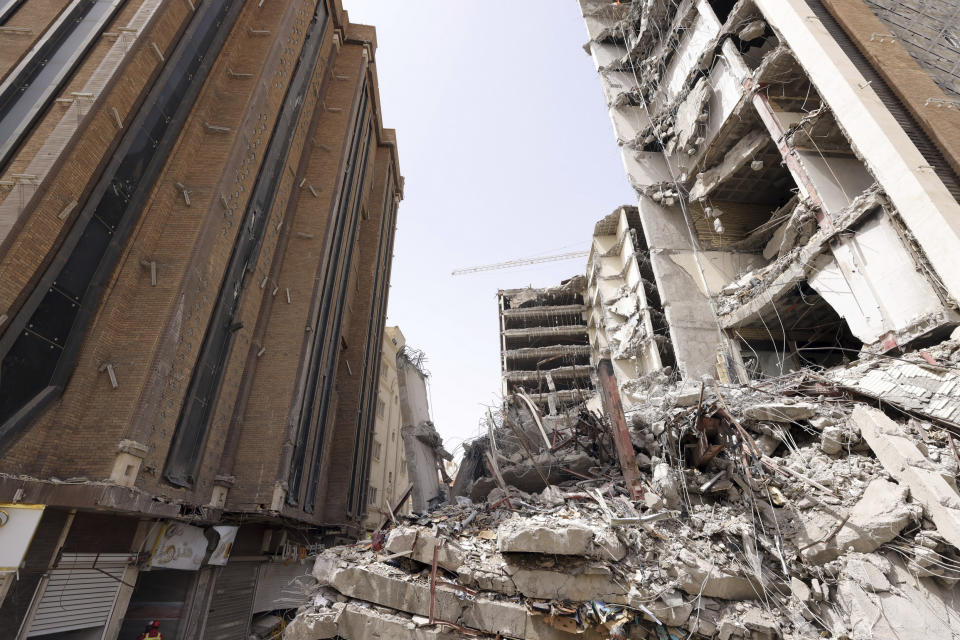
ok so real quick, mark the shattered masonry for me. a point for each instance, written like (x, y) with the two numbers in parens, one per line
(788, 509)
(779, 317)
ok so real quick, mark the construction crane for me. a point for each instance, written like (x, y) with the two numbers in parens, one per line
(521, 262)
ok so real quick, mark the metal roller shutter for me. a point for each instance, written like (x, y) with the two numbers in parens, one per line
(279, 586)
(232, 603)
(80, 593)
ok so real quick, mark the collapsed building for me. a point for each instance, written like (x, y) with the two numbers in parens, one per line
(797, 178)
(791, 508)
(625, 314)
(543, 344)
(422, 444)
(769, 450)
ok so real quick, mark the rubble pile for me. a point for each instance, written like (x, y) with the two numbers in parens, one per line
(788, 508)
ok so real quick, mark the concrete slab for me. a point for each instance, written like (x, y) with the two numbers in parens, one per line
(902, 458)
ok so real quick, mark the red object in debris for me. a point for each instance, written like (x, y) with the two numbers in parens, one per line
(610, 394)
(929, 358)
(379, 539)
(888, 342)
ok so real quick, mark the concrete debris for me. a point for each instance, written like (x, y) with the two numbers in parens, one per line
(906, 462)
(784, 509)
(780, 411)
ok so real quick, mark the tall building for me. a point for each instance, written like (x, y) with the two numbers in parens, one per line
(196, 228)
(796, 163)
(389, 477)
(426, 458)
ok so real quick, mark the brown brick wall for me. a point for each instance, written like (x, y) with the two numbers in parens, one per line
(151, 334)
(355, 368)
(36, 16)
(900, 70)
(28, 248)
(39, 133)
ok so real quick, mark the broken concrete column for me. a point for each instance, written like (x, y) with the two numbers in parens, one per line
(905, 461)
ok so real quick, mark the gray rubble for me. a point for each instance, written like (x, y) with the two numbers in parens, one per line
(792, 508)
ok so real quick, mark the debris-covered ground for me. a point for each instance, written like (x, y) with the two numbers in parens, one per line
(818, 504)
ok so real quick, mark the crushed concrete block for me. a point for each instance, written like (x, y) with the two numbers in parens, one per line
(903, 460)
(767, 444)
(761, 623)
(558, 537)
(753, 30)
(423, 541)
(666, 484)
(685, 397)
(625, 306)
(822, 422)
(780, 411)
(831, 440)
(800, 590)
(315, 625)
(670, 608)
(912, 610)
(552, 496)
(869, 571)
(698, 576)
(877, 518)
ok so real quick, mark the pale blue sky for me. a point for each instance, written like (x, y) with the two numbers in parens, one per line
(507, 151)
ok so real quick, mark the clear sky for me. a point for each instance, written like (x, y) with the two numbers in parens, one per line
(507, 151)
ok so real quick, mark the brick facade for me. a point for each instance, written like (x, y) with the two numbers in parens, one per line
(152, 333)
